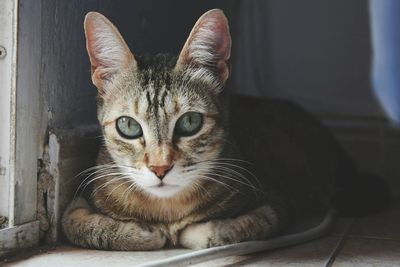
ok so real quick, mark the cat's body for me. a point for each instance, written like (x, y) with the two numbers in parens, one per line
(181, 172)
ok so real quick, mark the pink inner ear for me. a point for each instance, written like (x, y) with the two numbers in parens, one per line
(209, 43)
(222, 40)
(90, 32)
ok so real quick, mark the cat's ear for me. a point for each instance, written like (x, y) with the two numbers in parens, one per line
(108, 52)
(209, 44)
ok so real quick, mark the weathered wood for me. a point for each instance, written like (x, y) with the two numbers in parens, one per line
(69, 153)
(19, 237)
(28, 115)
(8, 22)
(19, 123)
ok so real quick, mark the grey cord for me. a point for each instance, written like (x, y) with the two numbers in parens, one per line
(243, 248)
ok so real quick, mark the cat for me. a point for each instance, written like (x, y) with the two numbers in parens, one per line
(178, 167)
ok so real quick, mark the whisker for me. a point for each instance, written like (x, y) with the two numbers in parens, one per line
(104, 166)
(86, 184)
(217, 181)
(228, 159)
(115, 179)
(131, 189)
(227, 165)
(121, 184)
(98, 169)
(105, 169)
(224, 171)
(230, 170)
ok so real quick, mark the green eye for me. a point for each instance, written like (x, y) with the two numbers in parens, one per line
(128, 128)
(189, 124)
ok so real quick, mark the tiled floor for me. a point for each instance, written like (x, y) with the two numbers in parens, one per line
(368, 241)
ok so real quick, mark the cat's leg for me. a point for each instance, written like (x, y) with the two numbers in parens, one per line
(85, 228)
(258, 224)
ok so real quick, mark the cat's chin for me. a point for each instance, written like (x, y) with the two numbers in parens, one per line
(163, 191)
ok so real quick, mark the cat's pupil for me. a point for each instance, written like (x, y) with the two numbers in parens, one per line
(189, 124)
(128, 128)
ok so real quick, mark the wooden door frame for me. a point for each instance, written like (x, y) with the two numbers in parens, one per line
(20, 100)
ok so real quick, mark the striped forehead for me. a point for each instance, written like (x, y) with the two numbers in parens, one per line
(156, 97)
(154, 106)
(154, 101)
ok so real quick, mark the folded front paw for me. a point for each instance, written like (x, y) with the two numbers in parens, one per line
(132, 236)
(205, 235)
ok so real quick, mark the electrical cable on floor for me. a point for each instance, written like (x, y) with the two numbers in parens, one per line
(244, 248)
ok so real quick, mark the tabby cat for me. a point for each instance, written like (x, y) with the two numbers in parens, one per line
(170, 171)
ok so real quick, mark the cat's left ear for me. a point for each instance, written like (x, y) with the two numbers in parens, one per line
(208, 45)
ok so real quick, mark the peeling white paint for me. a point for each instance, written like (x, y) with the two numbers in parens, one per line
(3, 170)
(7, 88)
(19, 120)
(22, 236)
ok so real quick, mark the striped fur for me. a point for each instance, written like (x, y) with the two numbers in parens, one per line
(210, 197)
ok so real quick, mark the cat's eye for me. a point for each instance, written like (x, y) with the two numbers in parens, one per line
(189, 124)
(128, 127)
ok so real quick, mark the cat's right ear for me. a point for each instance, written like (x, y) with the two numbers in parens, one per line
(108, 52)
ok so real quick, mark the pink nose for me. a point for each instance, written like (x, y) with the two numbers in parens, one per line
(160, 171)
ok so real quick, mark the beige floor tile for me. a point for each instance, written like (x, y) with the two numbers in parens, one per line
(366, 252)
(67, 256)
(311, 254)
(315, 253)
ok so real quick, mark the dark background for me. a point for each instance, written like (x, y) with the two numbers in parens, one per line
(315, 52)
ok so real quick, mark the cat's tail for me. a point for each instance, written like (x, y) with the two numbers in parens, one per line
(361, 195)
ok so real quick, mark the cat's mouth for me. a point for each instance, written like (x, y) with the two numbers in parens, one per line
(163, 185)
(163, 189)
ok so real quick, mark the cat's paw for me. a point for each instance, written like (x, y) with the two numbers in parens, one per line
(204, 235)
(197, 236)
(132, 236)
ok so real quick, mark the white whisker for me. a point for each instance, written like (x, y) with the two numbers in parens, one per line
(113, 180)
